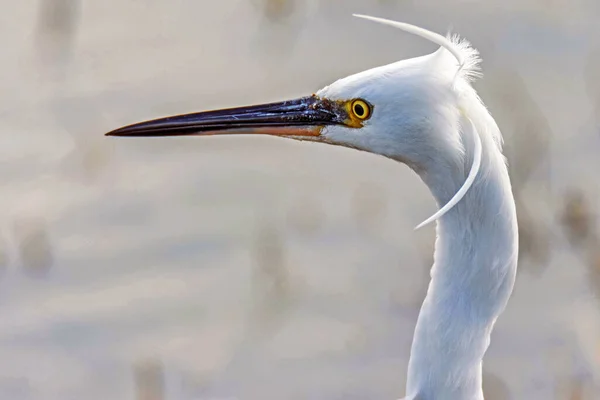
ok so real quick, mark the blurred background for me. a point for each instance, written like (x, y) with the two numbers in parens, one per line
(256, 268)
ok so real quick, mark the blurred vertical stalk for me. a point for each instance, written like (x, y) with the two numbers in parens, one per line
(276, 10)
(33, 245)
(592, 86)
(149, 380)
(4, 258)
(578, 222)
(271, 280)
(56, 30)
(280, 24)
(577, 219)
(57, 25)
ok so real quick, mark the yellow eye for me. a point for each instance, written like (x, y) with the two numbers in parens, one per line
(360, 109)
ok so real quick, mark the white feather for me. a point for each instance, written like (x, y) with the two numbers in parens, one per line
(468, 182)
(456, 52)
(424, 33)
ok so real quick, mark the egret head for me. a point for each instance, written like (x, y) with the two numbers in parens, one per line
(408, 111)
(404, 111)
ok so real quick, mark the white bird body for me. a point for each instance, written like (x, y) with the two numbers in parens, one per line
(422, 112)
(476, 248)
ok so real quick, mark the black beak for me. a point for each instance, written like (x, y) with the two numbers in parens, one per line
(304, 117)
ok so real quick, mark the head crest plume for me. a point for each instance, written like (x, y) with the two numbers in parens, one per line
(455, 51)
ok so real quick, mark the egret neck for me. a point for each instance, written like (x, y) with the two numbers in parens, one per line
(471, 279)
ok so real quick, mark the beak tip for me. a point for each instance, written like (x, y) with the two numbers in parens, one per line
(116, 132)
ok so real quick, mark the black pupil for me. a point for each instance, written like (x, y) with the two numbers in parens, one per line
(359, 110)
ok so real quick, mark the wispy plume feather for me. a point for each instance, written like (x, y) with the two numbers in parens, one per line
(468, 67)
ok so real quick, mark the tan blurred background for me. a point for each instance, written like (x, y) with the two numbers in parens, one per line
(256, 268)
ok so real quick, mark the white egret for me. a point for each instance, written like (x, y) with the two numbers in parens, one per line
(424, 113)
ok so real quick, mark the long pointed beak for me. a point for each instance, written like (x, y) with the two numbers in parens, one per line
(300, 118)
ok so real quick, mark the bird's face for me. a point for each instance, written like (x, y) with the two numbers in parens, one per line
(387, 110)
(412, 110)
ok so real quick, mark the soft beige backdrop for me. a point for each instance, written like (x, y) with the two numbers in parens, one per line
(256, 268)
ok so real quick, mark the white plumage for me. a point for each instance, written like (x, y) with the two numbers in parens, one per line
(432, 120)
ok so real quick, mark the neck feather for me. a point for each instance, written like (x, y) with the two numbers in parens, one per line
(471, 280)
